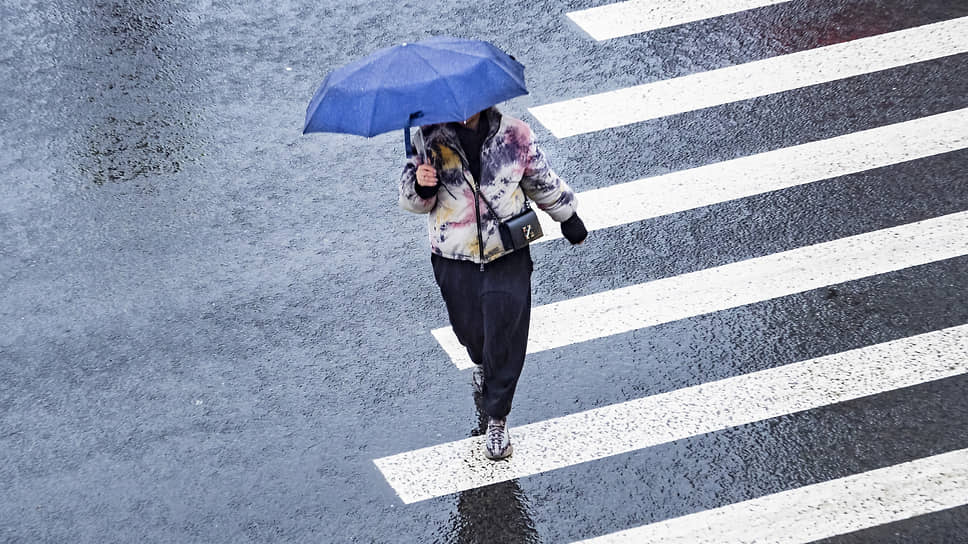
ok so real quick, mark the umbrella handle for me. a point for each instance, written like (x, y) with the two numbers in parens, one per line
(406, 131)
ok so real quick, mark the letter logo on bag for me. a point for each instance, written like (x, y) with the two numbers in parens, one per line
(528, 234)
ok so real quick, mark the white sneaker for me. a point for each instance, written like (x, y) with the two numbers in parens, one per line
(497, 442)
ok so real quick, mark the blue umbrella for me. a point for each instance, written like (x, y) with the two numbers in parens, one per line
(438, 80)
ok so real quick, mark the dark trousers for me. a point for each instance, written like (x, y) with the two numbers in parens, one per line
(490, 311)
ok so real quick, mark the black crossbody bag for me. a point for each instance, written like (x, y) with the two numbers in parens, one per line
(517, 231)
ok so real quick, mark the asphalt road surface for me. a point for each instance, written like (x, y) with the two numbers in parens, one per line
(216, 329)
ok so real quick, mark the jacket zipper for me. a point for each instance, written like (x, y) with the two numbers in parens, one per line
(480, 235)
(477, 204)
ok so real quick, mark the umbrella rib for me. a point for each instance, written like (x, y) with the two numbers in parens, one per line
(446, 81)
(474, 55)
(369, 124)
(311, 109)
(346, 71)
(499, 64)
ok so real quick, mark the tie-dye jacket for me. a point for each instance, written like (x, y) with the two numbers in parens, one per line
(510, 162)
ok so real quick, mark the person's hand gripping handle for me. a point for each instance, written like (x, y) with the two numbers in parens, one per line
(426, 174)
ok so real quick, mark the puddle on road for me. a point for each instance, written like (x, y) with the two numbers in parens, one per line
(494, 513)
(129, 76)
(500, 512)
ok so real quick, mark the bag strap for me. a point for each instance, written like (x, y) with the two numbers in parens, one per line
(477, 189)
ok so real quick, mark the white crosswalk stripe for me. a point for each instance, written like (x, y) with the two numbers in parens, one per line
(800, 515)
(770, 171)
(737, 284)
(634, 16)
(641, 423)
(823, 510)
(783, 73)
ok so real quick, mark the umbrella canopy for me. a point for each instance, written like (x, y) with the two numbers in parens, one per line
(438, 80)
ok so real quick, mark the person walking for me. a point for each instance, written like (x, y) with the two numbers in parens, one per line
(476, 173)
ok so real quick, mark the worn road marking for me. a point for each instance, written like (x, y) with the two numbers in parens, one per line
(736, 284)
(642, 423)
(632, 17)
(818, 511)
(770, 171)
(758, 78)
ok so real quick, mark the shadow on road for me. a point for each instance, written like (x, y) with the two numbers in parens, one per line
(490, 514)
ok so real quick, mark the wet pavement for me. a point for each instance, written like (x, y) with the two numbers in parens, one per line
(212, 324)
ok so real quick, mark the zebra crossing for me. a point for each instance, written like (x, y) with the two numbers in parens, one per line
(616, 429)
(754, 79)
(635, 16)
(638, 200)
(820, 510)
(746, 282)
(804, 514)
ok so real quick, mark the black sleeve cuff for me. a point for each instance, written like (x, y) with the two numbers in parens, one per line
(574, 229)
(425, 192)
